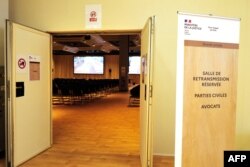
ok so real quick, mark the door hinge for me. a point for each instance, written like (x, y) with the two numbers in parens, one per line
(8, 89)
(152, 30)
(153, 26)
(9, 164)
(150, 90)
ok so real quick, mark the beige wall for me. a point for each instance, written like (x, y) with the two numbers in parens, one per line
(4, 13)
(65, 15)
(243, 107)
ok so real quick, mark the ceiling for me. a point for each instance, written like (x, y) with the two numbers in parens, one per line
(93, 44)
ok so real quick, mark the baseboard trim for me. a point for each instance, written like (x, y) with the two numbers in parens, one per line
(163, 155)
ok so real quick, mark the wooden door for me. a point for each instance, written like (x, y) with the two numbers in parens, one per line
(146, 92)
(28, 72)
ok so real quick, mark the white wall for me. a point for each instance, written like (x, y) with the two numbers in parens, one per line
(4, 14)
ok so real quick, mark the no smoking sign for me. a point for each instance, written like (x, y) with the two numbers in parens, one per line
(21, 63)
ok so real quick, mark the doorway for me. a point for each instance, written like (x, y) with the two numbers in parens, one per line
(92, 125)
(144, 152)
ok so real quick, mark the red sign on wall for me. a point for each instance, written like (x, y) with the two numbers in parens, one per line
(93, 16)
(21, 63)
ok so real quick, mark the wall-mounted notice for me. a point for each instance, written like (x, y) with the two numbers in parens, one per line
(34, 63)
(93, 16)
(143, 67)
(206, 89)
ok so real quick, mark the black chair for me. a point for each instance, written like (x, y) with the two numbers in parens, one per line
(134, 98)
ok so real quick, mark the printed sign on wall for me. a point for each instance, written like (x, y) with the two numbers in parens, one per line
(93, 16)
(143, 67)
(34, 63)
(206, 89)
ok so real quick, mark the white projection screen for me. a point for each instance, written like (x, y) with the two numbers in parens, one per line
(88, 64)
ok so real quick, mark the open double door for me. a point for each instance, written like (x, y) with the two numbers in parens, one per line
(28, 93)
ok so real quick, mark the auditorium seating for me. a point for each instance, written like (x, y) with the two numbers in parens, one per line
(71, 91)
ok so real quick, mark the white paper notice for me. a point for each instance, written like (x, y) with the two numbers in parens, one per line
(93, 16)
(34, 58)
(34, 63)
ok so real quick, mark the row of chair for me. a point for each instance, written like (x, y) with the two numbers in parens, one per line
(70, 91)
